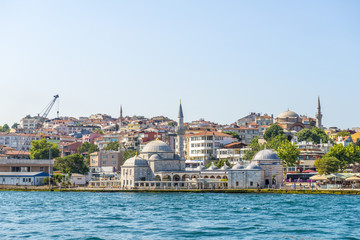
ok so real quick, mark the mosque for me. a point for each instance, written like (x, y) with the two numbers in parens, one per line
(159, 167)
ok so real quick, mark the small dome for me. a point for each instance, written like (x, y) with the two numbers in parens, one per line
(135, 162)
(253, 166)
(200, 168)
(225, 167)
(237, 166)
(155, 157)
(266, 154)
(288, 114)
(213, 167)
(156, 146)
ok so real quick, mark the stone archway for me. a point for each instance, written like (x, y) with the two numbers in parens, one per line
(166, 178)
(176, 178)
(218, 177)
(212, 177)
(206, 177)
(185, 177)
(157, 178)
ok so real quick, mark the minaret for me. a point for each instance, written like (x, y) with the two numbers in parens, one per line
(318, 115)
(180, 131)
(121, 118)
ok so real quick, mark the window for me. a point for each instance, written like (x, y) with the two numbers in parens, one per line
(113, 162)
(104, 162)
(237, 184)
(41, 169)
(251, 183)
(105, 157)
(112, 156)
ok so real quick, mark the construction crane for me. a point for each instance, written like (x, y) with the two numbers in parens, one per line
(45, 112)
(40, 121)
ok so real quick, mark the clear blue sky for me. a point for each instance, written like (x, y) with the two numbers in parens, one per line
(224, 59)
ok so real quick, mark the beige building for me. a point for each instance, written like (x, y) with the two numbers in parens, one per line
(105, 162)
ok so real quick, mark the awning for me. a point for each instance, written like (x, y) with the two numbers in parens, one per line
(318, 177)
(353, 178)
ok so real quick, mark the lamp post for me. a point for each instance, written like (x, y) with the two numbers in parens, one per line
(49, 167)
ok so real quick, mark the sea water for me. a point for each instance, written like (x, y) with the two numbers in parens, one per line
(83, 215)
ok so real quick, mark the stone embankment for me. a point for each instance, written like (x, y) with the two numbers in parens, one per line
(85, 189)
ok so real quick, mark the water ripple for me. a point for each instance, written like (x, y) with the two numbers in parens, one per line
(59, 215)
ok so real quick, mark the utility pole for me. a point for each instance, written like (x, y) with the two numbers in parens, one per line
(49, 168)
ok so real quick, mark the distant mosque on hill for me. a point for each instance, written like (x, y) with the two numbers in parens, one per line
(158, 166)
(292, 123)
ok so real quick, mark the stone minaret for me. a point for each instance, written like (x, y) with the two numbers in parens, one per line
(180, 131)
(121, 118)
(318, 115)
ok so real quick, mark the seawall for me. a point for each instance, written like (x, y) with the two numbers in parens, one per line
(264, 191)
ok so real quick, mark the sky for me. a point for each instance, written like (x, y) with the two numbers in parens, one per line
(223, 59)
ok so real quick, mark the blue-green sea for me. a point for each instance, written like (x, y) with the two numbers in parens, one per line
(83, 215)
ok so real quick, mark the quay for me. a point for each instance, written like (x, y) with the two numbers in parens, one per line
(108, 190)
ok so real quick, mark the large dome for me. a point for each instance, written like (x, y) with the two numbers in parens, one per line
(135, 162)
(156, 146)
(288, 114)
(266, 155)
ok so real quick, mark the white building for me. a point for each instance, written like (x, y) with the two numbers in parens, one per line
(23, 178)
(18, 141)
(28, 122)
(203, 145)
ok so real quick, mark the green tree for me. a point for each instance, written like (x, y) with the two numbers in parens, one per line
(6, 128)
(357, 142)
(327, 165)
(70, 164)
(113, 146)
(88, 147)
(15, 125)
(129, 154)
(234, 135)
(276, 142)
(314, 135)
(343, 134)
(339, 152)
(289, 153)
(40, 149)
(273, 131)
(255, 147)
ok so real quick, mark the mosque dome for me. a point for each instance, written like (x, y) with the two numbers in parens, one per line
(225, 167)
(156, 146)
(200, 168)
(253, 166)
(135, 161)
(213, 167)
(266, 154)
(288, 114)
(155, 157)
(237, 166)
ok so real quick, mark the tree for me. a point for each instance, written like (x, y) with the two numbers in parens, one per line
(255, 147)
(113, 146)
(129, 154)
(6, 128)
(70, 164)
(15, 125)
(273, 131)
(327, 165)
(343, 134)
(357, 142)
(88, 147)
(339, 152)
(234, 135)
(40, 149)
(289, 153)
(314, 135)
(276, 142)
